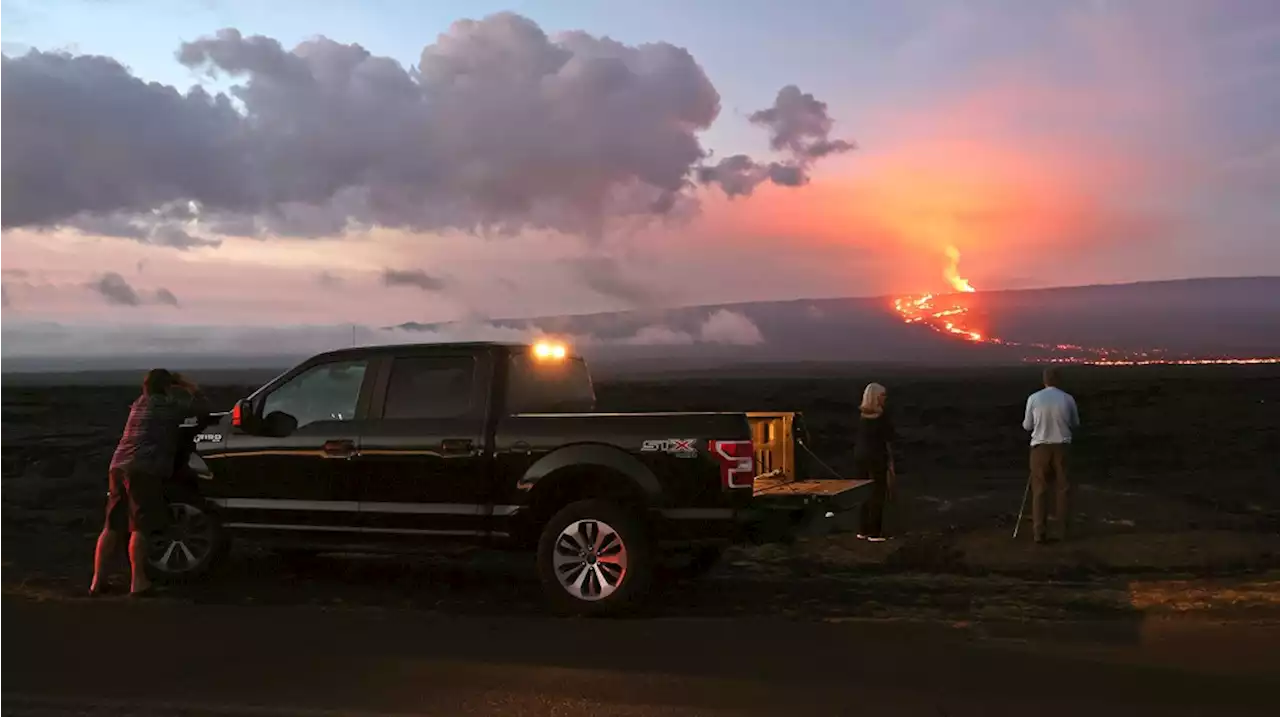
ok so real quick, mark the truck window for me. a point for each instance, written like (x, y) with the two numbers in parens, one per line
(540, 386)
(430, 387)
(327, 392)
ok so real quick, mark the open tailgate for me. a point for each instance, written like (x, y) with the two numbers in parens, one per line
(788, 500)
(838, 493)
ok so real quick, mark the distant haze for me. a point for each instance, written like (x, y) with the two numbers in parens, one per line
(1237, 317)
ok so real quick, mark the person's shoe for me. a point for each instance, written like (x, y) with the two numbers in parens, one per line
(877, 539)
(862, 536)
(98, 590)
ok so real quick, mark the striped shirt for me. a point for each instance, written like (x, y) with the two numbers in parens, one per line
(149, 443)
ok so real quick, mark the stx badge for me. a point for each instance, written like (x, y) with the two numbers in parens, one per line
(678, 447)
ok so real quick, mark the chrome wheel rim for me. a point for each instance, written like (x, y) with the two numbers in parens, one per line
(185, 544)
(590, 560)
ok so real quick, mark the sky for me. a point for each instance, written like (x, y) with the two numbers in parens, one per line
(171, 163)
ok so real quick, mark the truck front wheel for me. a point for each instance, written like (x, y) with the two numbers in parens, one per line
(190, 545)
(594, 558)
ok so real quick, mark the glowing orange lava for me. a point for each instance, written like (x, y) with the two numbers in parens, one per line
(945, 314)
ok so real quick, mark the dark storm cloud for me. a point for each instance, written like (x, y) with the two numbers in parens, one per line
(115, 290)
(166, 297)
(415, 278)
(499, 127)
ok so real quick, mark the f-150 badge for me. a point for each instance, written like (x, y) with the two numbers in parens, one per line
(678, 447)
(208, 438)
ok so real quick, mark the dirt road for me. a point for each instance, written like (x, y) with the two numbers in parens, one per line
(117, 657)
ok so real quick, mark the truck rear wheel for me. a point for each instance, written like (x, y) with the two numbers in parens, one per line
(594, 558)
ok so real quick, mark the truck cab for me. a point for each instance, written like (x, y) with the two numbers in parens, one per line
(396, 448)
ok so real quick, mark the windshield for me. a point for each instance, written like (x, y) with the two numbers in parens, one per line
(542, 386)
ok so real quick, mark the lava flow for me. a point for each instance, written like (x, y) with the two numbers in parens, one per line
(947, 315)
(950, 320)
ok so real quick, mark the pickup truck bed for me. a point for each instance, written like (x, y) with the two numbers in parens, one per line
(787, 499)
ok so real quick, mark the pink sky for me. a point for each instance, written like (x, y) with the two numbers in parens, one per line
(1119, 167)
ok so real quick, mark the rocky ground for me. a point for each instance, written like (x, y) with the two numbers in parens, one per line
(1177, 505)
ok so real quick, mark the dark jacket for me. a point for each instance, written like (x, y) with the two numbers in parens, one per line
(149, 443)
(873, 440)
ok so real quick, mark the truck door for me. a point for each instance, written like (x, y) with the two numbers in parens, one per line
(302, 482)
(425, 467)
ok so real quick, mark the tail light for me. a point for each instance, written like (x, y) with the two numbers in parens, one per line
(235, 414)
(737, 463)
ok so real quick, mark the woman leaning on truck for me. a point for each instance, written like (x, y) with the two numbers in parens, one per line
(873, 458)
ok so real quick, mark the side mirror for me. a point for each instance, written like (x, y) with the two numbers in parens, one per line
(242, 416)
(279, 424)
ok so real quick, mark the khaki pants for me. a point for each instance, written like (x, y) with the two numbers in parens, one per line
(1049, 463)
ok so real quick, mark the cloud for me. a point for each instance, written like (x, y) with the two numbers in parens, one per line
(176, 238)
(83, 136)
(88, 339)
(800, 127)
(97, 340)
(115, 290)
(658, 336)
(329, 280)
(607, 277)
(722, 326)
(166, 297)
(415, 278)
(498, 128)
(5, 301)
(730, 327)
(678, 328)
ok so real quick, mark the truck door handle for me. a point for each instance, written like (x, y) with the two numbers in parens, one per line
(455, 445)
(339, 448)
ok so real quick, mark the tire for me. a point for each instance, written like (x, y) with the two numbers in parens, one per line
(192, 544)
(695, 563)
(575, 579)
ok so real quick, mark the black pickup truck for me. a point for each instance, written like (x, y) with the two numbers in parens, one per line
(395, 448)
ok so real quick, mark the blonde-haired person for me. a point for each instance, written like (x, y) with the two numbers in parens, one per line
(873, 458)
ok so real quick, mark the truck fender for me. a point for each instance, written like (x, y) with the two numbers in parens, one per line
(585, 455)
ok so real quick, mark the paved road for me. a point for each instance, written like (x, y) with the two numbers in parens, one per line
(112, 657)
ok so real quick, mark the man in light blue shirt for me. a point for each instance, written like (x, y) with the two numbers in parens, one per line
(1050, 417)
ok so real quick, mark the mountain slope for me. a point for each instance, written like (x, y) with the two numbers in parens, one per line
(1203, 317)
